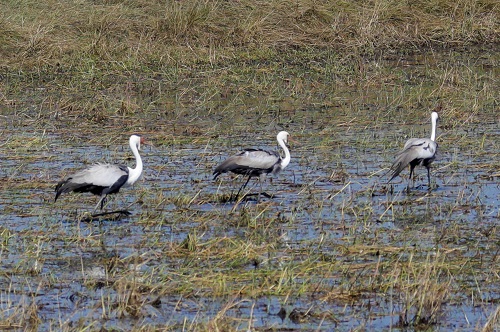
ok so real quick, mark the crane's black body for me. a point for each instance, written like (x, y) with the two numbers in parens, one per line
(420, 153)
(113, 179)
(104, 179)
(256, 162)
(251, 163)
(417, 152)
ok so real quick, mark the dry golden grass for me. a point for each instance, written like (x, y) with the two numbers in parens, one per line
(111, 61)
(137, 33)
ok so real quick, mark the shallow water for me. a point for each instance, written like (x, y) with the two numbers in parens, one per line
(334, 190)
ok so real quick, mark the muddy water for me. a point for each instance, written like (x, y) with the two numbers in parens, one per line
(334, 189)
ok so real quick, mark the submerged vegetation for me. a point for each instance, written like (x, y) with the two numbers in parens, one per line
(336, 247)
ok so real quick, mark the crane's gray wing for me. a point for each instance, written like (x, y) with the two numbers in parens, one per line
(417, 150)
(421, 148)
(249, 161)
(104, 175)
(410, 142)
(98, 179)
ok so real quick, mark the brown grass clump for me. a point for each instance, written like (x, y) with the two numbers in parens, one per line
(155, 32)
(493, 320)
(423, 289)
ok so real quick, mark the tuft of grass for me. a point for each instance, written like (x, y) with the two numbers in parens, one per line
(21, 314)
(128, 33)
(423, 290)
(493, 321)
(190, 243)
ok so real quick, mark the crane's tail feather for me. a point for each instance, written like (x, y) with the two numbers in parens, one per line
(61, 188)
(66, 186)
(402, 160)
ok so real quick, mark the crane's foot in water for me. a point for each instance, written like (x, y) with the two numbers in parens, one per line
(114, 215)
(119, 212)
(257, 194)
(257, 200)
(429, 188)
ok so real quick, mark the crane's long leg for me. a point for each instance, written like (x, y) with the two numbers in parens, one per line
(260, 182)
(428, 176)
(101, 203)
(243, 187)
(238, 194)
(411, 180)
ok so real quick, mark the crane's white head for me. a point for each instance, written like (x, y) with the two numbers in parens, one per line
(135, 145)
(283, 136)
(136, 140)
(434, 116)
